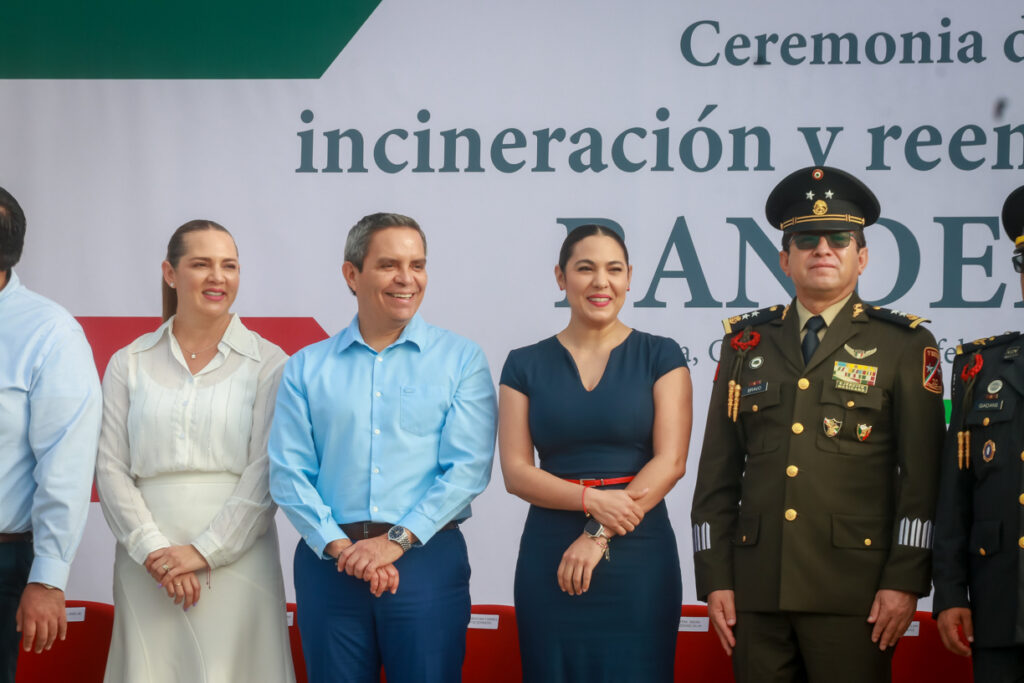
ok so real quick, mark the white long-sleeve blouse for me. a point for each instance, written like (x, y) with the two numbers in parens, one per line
(159, 418)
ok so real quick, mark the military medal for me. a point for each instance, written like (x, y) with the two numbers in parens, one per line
(863, 432)
(1011, 353)
(853, 377)
(859, 353)
(994, 386)
(963, 437)
(756, 362)
(832, 426)
(988, 451)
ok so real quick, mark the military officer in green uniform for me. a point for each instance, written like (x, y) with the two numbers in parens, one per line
(979, 531)
(815, 495)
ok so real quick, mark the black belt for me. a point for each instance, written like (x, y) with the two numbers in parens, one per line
(24, 536)
(362, 530)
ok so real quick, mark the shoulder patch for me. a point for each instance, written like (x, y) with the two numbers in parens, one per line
(763, 315)
(986, 343)
(898, 317)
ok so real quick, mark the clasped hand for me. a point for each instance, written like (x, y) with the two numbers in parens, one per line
(371, 560)
(174, 568)
(577, 565)
(616, 509)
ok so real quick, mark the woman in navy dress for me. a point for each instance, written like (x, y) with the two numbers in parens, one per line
(608, 409)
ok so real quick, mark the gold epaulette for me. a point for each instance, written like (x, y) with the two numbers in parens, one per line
(763, 315)
(898, 317)
(986, 343)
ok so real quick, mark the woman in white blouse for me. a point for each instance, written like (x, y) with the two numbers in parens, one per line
(182, 475)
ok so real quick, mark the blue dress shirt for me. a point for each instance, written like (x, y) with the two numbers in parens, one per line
(50, 406)
(404, 436)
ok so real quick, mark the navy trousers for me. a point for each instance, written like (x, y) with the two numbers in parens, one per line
(998, 664)
(418, 635)
(15, 563)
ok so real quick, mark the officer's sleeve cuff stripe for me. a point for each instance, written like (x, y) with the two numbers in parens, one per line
(914, 533)
(701, 537)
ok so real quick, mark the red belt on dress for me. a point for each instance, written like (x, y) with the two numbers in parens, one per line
(601, 482)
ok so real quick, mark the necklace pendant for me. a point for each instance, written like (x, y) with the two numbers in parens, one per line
(193, 356)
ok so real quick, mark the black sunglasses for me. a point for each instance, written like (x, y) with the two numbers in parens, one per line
(806, 241)
(1018, 261)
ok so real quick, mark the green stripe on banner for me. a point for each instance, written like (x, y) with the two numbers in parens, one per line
(949, 408)
(181, 39)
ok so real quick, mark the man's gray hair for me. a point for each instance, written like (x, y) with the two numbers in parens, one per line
(358, 241)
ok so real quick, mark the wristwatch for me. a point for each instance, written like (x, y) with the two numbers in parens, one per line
(594, 529)
(400, 535)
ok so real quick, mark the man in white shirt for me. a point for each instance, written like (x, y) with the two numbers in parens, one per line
(49, 424)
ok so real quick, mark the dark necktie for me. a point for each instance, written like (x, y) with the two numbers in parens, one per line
(810, 343)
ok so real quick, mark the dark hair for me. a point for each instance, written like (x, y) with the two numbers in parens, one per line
(12, 231)
(858, 238)
(358, 241)
(359, 236)
(583, 232)
(175, 250)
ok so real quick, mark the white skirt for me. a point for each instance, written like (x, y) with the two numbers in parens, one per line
(237, 631)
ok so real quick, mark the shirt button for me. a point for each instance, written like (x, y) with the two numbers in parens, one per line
(376, 431)
(850, 404)
(791, 515)
(754, 408)
(867, 541)
(798, 428)
(986, 421)
(377, 394)
(803, 383)
(374, 508)
(792, 471)
(379, 359)
(376, 470)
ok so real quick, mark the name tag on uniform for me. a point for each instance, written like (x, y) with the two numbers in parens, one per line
(754, 388)
(988, 405)
(854, 377)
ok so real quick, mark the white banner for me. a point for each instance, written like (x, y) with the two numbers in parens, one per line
(498, 127)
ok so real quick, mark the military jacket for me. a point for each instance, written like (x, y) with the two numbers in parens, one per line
(979, 533)
(822, 489)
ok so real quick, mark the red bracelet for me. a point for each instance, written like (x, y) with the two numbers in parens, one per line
(583, 498)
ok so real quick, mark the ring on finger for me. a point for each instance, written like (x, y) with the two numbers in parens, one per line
(165, 567)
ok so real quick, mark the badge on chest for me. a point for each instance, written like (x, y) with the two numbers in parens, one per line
(854, 377)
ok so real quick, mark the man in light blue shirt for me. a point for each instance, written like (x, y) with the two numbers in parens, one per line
(50, 407)
(382, 436)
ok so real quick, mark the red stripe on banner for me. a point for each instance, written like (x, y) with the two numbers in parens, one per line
(108, 334)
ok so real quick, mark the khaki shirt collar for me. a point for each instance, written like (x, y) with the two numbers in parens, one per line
(829, 314)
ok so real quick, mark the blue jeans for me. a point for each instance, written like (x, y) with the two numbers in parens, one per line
(418, 635)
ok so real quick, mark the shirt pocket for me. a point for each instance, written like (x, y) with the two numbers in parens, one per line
(992, 432)
(423, 408)
(759, 426)
(986, 535)
(863, 532)
(747, 527)
(852, 423)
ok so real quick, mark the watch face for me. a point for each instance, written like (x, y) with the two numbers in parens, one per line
(396, 533)
(593, 527)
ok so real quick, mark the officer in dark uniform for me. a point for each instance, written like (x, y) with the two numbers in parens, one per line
(979, 532)
(813, 510)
